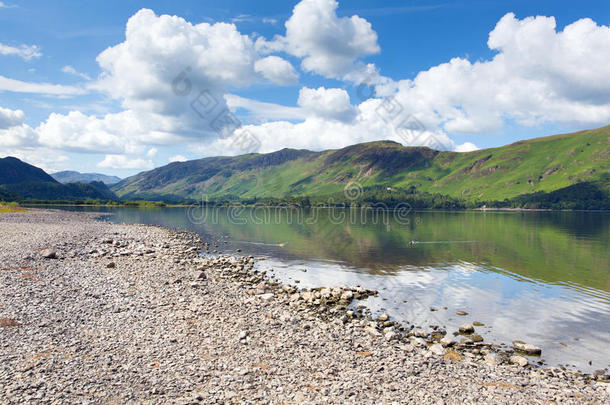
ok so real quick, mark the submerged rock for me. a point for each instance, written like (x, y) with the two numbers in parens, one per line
(420, 333)
(467, 328)
(526, 348)
(476, 338)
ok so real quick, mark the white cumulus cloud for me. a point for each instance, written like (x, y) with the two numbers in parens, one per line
(10, 118)
(276, 70)
(539, 75)
(328, 44)
(327, 103)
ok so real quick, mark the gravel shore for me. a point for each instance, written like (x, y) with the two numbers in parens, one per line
(93, 312)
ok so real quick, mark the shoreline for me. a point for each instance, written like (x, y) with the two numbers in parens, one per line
(246, 330)
(43, 206)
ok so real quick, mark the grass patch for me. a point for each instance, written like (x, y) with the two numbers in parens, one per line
(11, 207)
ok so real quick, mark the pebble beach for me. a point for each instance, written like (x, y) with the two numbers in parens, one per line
(95, 312)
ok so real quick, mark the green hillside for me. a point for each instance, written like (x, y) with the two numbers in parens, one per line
(531, 167)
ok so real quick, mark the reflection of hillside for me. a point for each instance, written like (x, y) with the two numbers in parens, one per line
(554, 247)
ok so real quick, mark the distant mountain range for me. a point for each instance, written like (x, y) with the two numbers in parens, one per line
(22, 181)
(561, 171)
(69, 176)
(526, 168)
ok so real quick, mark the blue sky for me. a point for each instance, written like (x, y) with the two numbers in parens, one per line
(58, 113)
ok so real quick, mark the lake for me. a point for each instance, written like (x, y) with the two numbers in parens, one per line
(541, 277)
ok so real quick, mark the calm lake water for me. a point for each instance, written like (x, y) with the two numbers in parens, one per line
(541, 277)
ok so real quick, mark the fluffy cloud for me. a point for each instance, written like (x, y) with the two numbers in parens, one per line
(10, 118)
(13, 132)
(25, 52)
(124, 132)
(171, 77)
(122, 162)
(19, 136)
(276, 70)
(142, 70)
(333, 104)
(328, 45)
(318, 133)
(538, 76)
(81, 133)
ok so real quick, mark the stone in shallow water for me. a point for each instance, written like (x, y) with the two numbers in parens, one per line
(384, 317)
(466, 328)
(461, 313)
(347, 295)
(526, 347)
(420, 333)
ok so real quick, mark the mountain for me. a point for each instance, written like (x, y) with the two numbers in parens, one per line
(525, 168)
(69, 176)
(38, 190)
(13, 171)
(22, 181)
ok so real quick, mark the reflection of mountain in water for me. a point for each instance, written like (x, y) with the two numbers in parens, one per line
(550, 246)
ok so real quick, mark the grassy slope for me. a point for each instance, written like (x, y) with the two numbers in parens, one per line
(542, 164)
